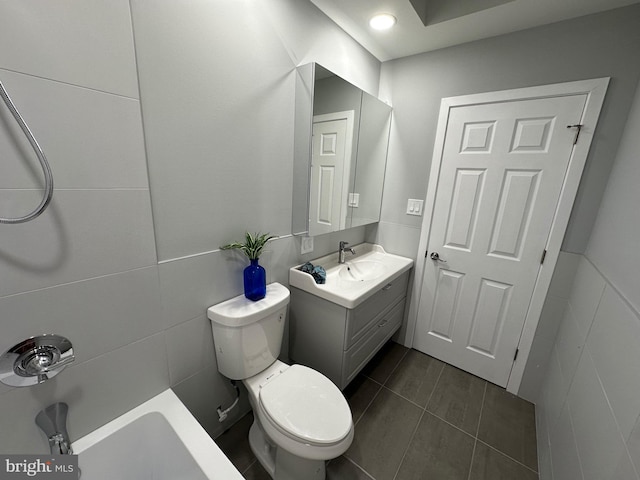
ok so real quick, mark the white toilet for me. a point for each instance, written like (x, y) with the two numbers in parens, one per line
(301, 418)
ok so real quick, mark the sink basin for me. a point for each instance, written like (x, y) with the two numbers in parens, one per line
(351, 283)
(361, 271)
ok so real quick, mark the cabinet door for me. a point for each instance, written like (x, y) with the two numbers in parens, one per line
(361, 318)
(381, 331)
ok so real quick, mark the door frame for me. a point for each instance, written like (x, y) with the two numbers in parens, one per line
(595, 90)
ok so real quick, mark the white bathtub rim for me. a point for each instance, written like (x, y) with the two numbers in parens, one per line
(197, 441)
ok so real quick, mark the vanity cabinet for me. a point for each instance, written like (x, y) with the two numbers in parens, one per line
(338, 341)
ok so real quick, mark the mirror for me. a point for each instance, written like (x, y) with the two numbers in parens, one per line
(341, 140)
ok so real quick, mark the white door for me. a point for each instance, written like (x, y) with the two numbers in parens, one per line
(330, 163)
(502, 171)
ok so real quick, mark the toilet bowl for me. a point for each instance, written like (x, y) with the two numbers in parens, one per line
(301, 418)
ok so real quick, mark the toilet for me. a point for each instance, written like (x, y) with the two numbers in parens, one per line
(301, 418)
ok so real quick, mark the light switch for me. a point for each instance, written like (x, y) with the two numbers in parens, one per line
(354, 200)
(414, 206)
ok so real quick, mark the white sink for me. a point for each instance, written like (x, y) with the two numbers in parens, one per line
(352, 282)
(361, 270)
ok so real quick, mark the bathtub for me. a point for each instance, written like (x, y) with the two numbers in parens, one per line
(159, 440)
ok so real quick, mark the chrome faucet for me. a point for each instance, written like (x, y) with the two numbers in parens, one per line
(343, 249)
(53, 422)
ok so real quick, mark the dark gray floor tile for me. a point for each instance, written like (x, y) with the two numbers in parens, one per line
(383, 434)
(437, 451)
(385, 361)
(235, 443)
(256, 472)
(359, 394)
(458, 399)
(343, 469)
(416, 377)
(508, 424)
(489, 464)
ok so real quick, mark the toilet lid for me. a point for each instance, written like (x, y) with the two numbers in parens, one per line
(307, 405)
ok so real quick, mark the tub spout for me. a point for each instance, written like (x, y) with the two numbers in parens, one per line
(60, 445)
(53, 422)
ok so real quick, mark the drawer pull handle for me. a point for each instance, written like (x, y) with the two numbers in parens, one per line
(387, 286)
(383, 323)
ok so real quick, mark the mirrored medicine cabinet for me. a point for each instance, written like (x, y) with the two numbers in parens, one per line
(340, 153)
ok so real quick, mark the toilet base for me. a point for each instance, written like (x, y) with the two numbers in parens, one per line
(280, 464)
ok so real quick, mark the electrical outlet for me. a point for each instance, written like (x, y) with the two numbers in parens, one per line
(306, 245)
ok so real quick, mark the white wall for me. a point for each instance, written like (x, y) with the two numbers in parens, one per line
(86, 268)
(217, 102)
(588, 410)
(593, 46)
(614, 246)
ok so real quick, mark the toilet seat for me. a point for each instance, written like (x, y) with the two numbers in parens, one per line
(306, 406)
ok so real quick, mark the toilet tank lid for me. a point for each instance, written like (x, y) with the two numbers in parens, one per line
(240, 311)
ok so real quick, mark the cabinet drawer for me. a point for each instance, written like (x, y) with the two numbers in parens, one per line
(358, 355)
(373, 308)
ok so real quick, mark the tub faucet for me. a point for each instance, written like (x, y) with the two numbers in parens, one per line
(343, 249)
(53, 422)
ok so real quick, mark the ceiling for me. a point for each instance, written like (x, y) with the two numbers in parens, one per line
(411, 36)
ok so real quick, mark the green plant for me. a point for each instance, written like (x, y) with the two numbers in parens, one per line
(252, 246)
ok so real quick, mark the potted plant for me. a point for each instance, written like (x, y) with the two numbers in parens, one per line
(255, 278)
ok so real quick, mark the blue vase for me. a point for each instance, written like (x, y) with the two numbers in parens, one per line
(255, 281)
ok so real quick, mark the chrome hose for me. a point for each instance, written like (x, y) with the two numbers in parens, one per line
(48, 177)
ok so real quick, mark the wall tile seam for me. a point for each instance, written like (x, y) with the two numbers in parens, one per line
(558, 297)
(611, 411)
(87, 279)
(80, 189)
(587, 342)
(575, 440)
(182, 323)
(84, 363)
(413, 227)
(543, 442)
(218, 250)
(175, 382)
(568, 383)
(165, 342)
(604, 391)
(615, 289)
(571, 318)
(69, 84)
(633, 464)
(194, 374)
(591, 321)
(109, 352)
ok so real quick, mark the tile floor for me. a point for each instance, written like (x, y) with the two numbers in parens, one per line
(418, 418)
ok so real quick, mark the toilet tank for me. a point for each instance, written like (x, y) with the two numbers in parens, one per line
(247, 334)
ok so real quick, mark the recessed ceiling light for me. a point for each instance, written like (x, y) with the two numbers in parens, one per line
(382, 21)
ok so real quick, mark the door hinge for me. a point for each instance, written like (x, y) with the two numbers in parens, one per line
(516, 354)
(544, 254)
(579, 127)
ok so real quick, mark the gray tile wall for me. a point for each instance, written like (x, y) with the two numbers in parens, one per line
(87, 268)
(588, 407)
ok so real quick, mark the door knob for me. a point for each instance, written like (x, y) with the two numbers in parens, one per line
(436, 256)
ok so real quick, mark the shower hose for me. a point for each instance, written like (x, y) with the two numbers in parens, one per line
(48, 177)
